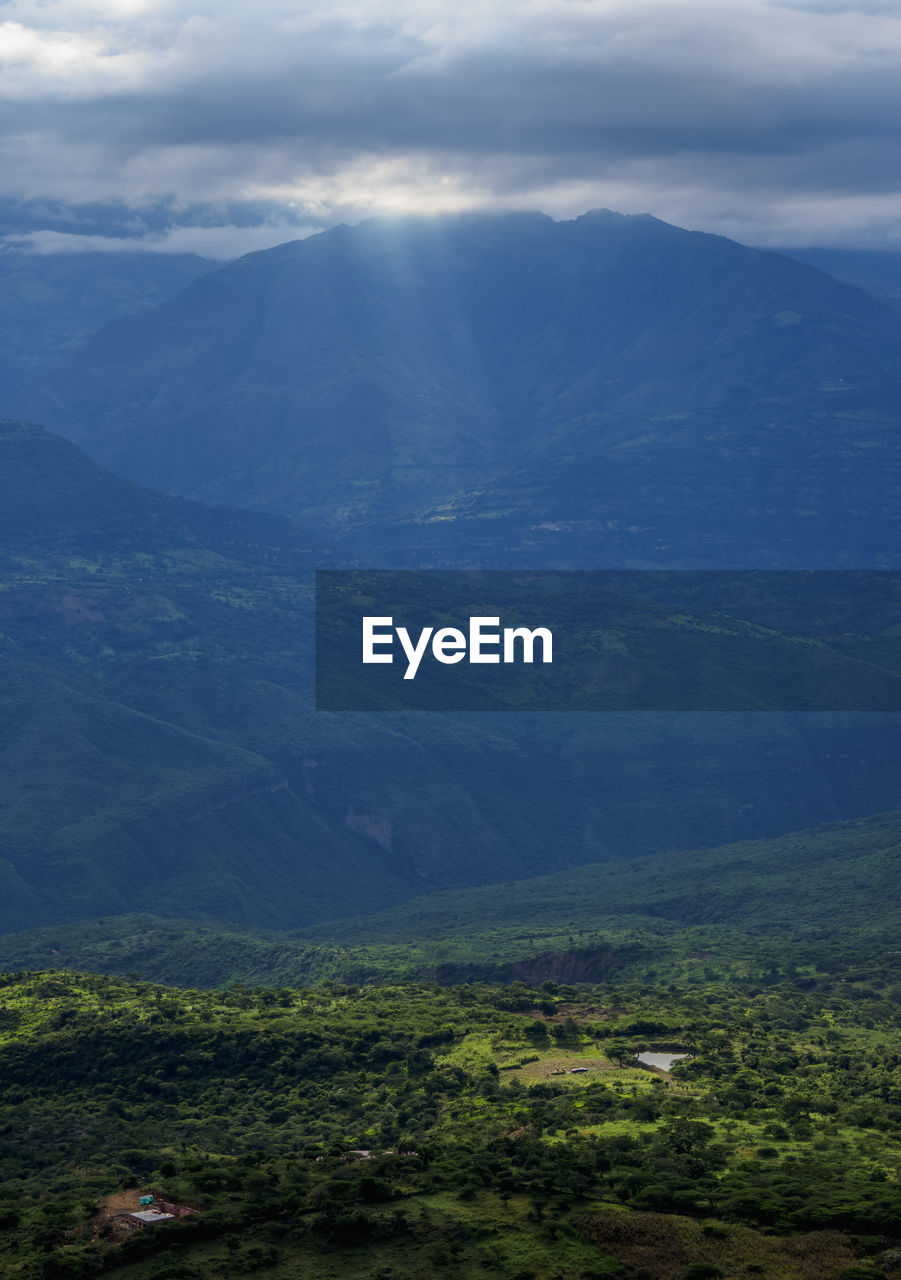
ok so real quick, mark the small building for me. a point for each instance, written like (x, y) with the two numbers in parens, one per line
(149, 1217)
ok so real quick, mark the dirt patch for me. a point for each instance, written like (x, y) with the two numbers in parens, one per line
(563, 1068)
(81, 609)
(108, 1222)
(121, 1202)
(111, 1222)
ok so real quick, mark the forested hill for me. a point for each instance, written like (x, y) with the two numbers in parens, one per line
(831, 883)
(818, 907)
(510, 389)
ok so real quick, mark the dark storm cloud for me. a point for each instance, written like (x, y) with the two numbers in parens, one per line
(301, 114)
(121, 220)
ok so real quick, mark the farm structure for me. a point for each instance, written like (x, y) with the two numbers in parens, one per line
(129, 1211)
(152, 1210)
(147, 1217)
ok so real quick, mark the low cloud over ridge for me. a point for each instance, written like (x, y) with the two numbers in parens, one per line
(777, 123)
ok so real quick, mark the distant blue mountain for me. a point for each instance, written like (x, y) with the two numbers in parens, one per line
(50, 303)
(878, 271)
(510, 389)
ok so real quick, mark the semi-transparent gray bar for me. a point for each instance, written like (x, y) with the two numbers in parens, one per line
(618, 640)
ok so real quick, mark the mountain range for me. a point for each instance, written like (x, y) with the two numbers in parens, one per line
(512, 390)
(51, 303)
(457, 392)
(876, 271)
(450, 391)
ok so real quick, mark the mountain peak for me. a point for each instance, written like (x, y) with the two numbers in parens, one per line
(611, 215)
(519, 378)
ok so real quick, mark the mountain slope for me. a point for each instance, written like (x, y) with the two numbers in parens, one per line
(518, 389)
(160, 751)
(878, 271)
(829, 878)
(823, 901)
(51, 303)
(112, 798)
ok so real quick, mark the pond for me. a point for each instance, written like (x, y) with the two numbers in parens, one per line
(663, 1061)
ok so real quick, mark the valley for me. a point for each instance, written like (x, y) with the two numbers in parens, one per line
(158, 729)
(450, 640)
(366, 991)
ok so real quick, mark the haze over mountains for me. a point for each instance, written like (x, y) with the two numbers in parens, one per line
(876, 271)
(510, 389)
(470, 390)
(564, 945)
(51, 303)
(160, 752)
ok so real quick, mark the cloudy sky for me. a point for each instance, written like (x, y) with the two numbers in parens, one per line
(235, 124)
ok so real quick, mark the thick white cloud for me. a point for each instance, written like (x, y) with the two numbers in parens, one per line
(776, 122)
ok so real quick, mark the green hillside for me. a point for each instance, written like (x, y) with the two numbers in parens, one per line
(820, 902)
(831, 878)
(818, 907)
(120, 791)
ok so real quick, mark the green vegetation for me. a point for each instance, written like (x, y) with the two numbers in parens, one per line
(448, 1087)
(820, 901)
(820, 908)
(412, 1130)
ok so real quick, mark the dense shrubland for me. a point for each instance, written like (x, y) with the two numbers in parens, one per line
(247, 1102)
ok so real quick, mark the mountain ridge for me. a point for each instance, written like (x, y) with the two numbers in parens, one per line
(476, 379)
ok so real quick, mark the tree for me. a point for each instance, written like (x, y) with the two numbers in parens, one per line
(619, 1052)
